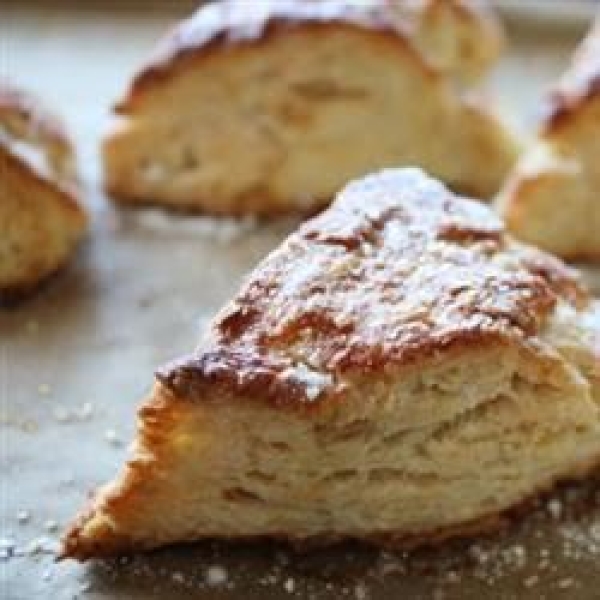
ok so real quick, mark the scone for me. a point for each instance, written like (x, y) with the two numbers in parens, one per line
(552, 199)
(399, 371)
(270, 107)
(40, 218)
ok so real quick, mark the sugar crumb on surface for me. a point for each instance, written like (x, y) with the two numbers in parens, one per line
(216, 575)
(112, 437)
(44, 389)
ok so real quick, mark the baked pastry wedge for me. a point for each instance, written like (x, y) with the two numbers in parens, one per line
(40, 218)
(552, 198)
(399, 371)
(270, 107)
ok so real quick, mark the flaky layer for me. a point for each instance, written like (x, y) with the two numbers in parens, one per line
(399, 368)
(279, 122)
(399, 461)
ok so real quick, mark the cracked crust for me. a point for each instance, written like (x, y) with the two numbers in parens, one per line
(399, 372)
(302, 85)
(395, 273)
(430, 23)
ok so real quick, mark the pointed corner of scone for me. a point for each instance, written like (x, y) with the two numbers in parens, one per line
(279, 104)
(41, 217)
(399, 369)
(551, 197)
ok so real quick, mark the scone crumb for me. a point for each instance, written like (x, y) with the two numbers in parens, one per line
(23, 517)
(554, 507)
(178, 577)
(51, 526)
(44, 389)
(86, 411)
(110, 435)
(7, 548)
(216, 575)
(62, 414)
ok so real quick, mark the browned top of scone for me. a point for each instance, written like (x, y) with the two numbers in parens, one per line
(395, 272)
(579, 85)
(237, 22)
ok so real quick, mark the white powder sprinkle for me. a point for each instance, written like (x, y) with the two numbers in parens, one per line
(7, 547)
(554, 507)
(216, 576)
(51, 526)
(531, 581)
(110, 435)
(86, 411)
(289, 585)
(178, 577)
(566, 583)
(41, 545)
(314, 382)
(23, 517)
(62, 414)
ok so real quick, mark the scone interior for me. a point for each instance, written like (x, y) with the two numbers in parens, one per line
(552, 199)
(276, 114)
(398, 372)
(40, 217)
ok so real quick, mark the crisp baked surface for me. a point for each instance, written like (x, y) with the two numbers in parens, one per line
(399, 371)
(459, 36)
(40, 217)
(551, 197)
(393, 274)
(321, 92)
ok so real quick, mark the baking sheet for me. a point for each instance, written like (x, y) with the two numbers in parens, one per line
(75, 361)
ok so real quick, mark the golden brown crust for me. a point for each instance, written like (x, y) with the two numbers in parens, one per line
(398, 270)
(40, 195)
(579, 86)
(234, 22)
(237, 23)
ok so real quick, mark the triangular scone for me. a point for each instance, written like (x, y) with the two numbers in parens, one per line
(40, 219)
(270, 107)
(552, 199)
(397, 371)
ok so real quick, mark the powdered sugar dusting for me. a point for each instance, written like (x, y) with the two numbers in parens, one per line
(313, 382)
